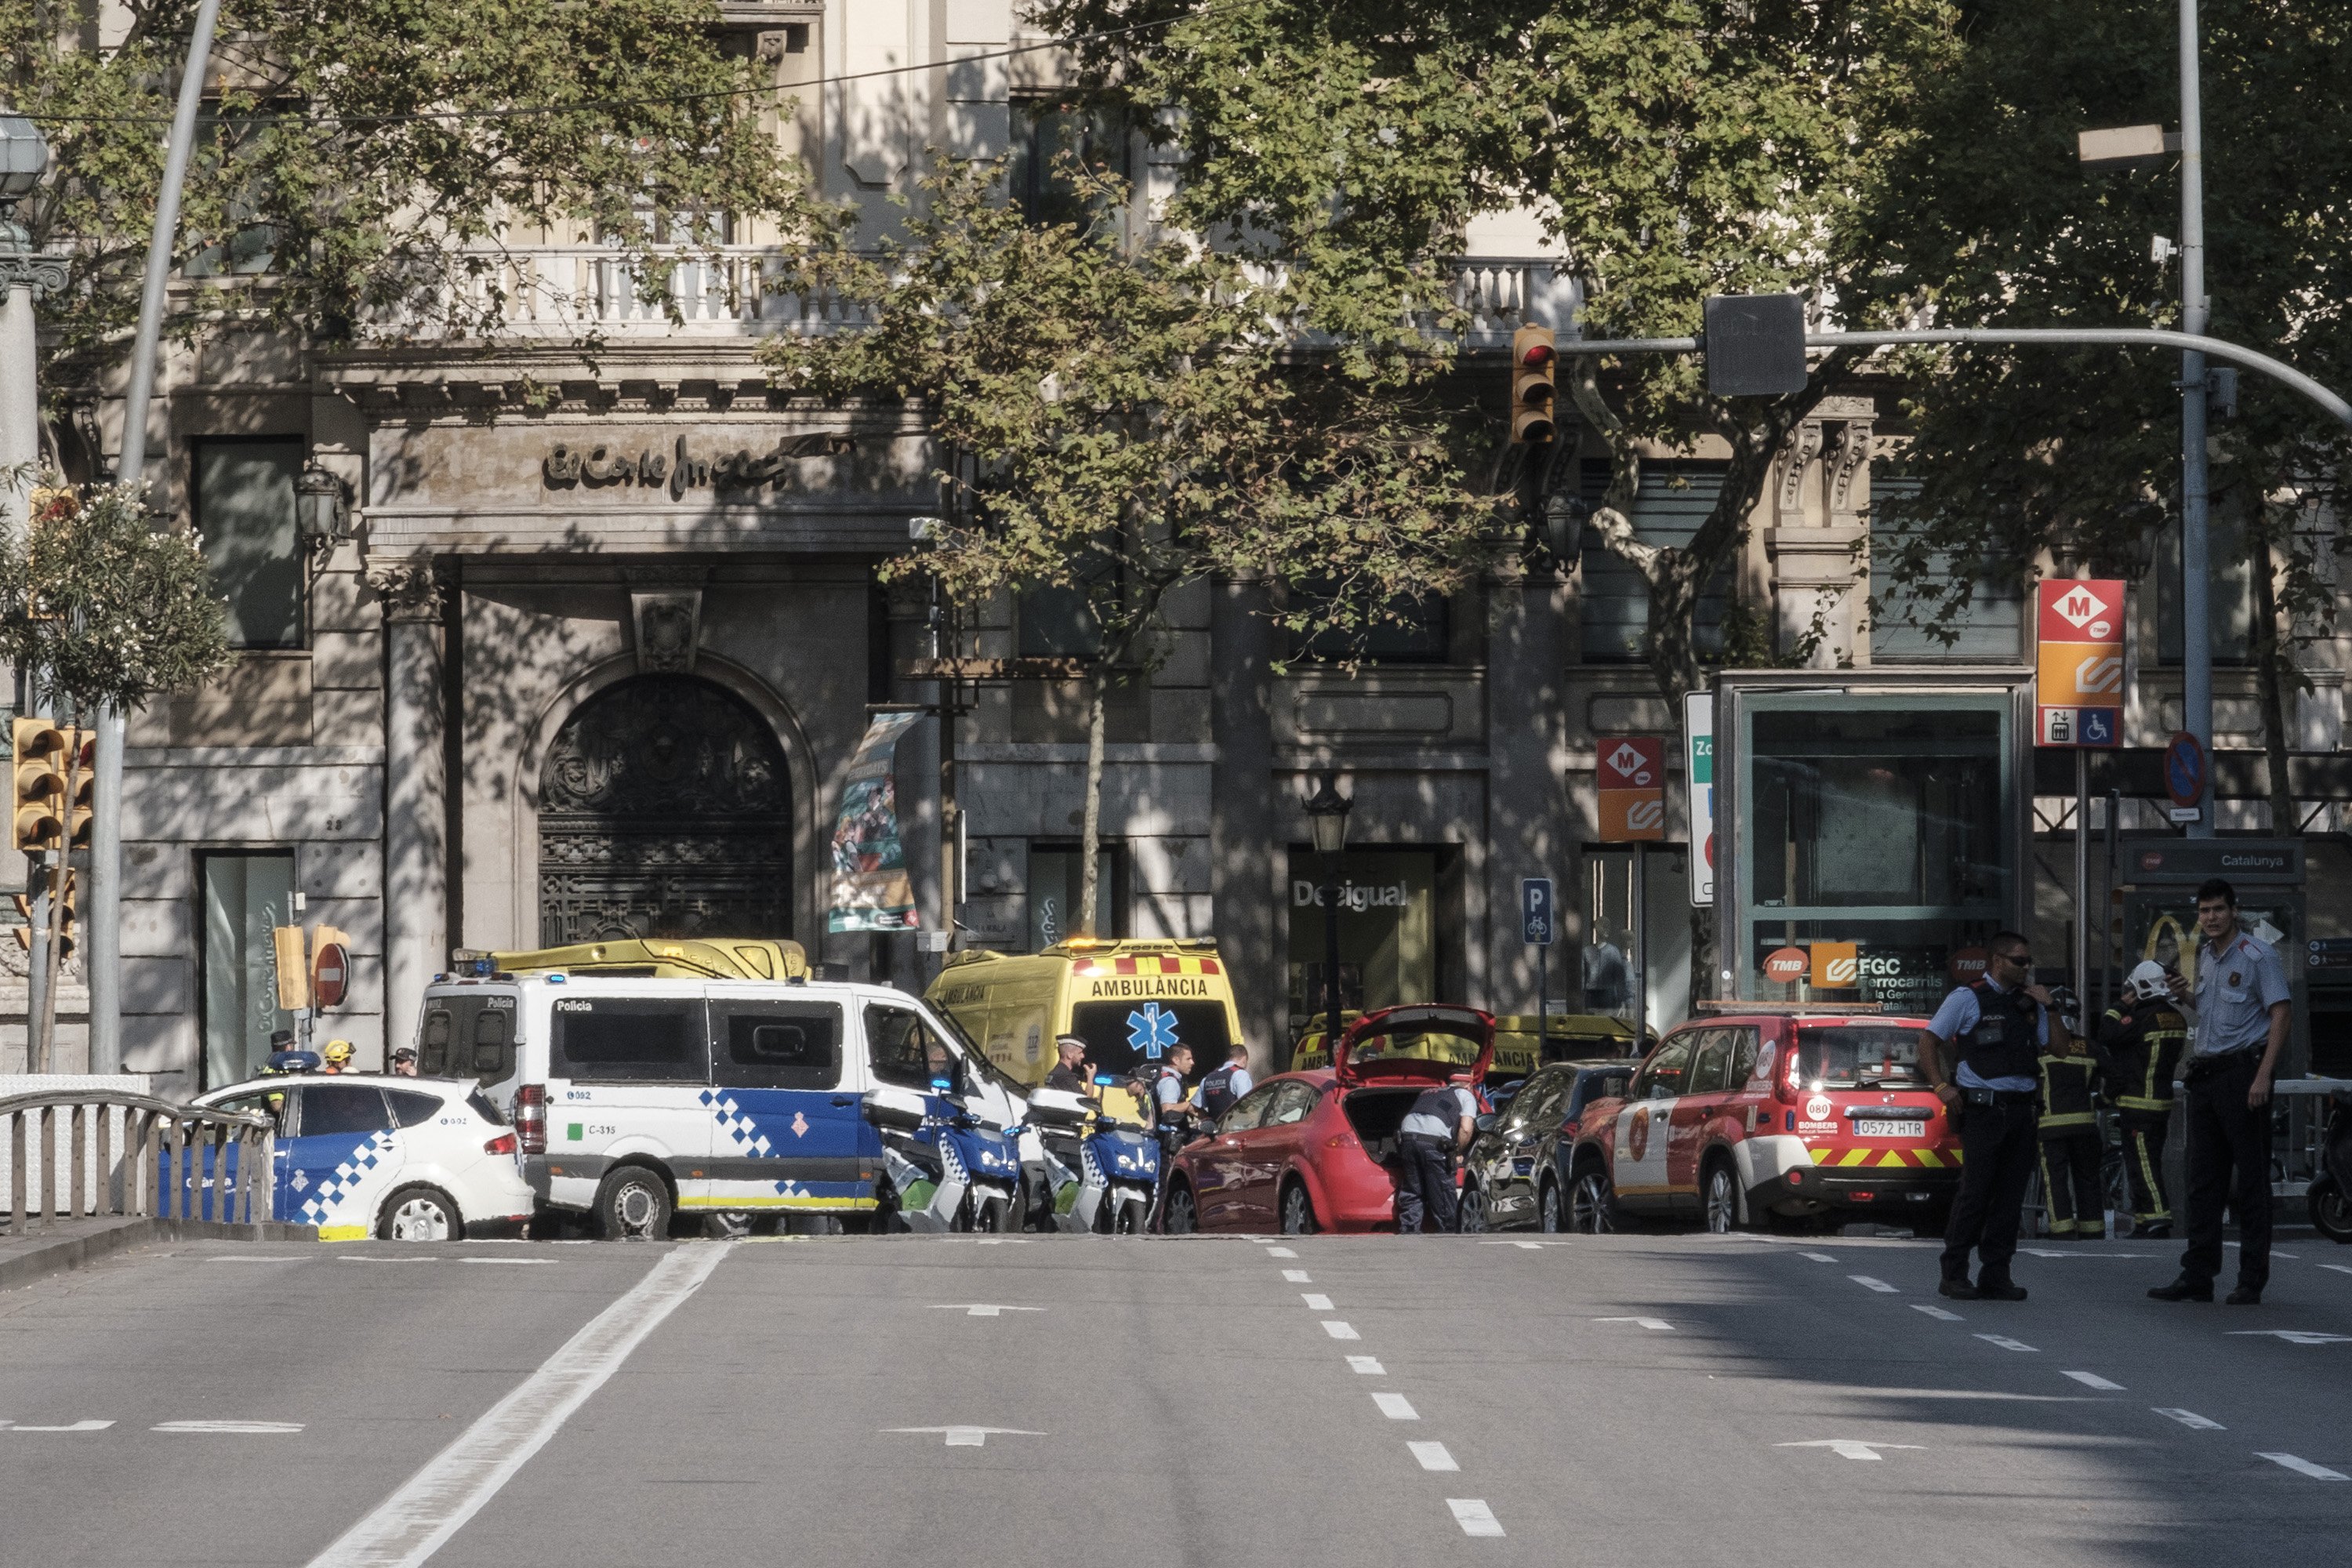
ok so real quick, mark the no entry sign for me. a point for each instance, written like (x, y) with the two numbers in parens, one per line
(331, 976)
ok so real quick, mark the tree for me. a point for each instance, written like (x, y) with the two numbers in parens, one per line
(1117, 419)
(367, 164)
(1985, 217)
(100, 610)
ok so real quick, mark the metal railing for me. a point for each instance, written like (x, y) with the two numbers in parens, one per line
(167, 1161)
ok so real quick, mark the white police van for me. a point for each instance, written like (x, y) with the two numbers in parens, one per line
(637, 1098)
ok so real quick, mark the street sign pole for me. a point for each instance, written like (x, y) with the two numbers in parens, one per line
(2196, 637)
(1540, 928)
(1641, 939)
(2082, 884)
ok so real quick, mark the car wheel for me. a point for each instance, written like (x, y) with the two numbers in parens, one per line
(1592, 1208)
(419, 1213)
(1181, 1216)
(633, 1205)
(1476, 1220)
(1548, 1217)
(1297, 1211)
(1722, 1199)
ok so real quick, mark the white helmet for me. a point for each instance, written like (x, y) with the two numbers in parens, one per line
(2146, 980)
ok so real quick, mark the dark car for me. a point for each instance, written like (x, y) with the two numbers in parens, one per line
(1511, 1177)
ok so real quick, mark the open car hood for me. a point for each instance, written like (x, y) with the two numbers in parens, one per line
(1423, 1041)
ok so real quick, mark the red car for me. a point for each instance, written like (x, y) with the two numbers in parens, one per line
(1306, 1152)
(1734, 1120)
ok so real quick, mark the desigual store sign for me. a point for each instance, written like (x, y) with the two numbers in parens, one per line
(1387, 909)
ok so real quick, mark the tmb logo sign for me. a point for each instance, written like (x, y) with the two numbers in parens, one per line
(1785, 965)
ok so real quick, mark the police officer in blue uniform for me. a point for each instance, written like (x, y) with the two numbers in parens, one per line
(1222, 1086)
(1440, 1125)
(1995, 1031)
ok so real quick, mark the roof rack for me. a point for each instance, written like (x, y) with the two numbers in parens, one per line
(1739, 1004)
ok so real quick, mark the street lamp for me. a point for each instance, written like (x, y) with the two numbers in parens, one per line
(322, 509)
(24, 158)
(1327, 814)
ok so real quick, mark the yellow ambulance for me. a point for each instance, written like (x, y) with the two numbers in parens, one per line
(1132, 1001)
(1571, 1037)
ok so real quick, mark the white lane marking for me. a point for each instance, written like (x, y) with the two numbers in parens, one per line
(433, 1504)
(1818, 1257)
(1433, 1456)
(349, 1257)
(1280, 1252)
(1849, 1447)
(1396, 1407)
(2291, 1336)
(1370, 1365)
(967, 1436)
(2047, 1252)
(71, 1427)
(1473, 1516)
(1657, 1325)
(2339, 1268)
(1937, 1313)
(2093, 1380)
(2005, 1343)
(249, 1428)
(1340, 1331)
(251, 1258)
(1314, 1303)
(2305, 1468)
(509, 1260)
(1867, 1283)
(1296, 1276)
(981, 1308)
(1002, 1241)
(2274, 1253)
(1522, 1246)
(2188, 1419)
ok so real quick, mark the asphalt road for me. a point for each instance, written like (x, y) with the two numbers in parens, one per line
(1631, 1399)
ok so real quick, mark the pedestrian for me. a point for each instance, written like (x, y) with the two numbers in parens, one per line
(1220, 1087)
(1170, 1107)
(2068, 1129)
(1436, 1130)
(2144, 1038)
(2241, 1015)
(1996, 1031)
(403, 1062)
(1069, 1066)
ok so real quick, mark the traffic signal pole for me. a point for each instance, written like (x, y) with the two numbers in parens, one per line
(2196, 597)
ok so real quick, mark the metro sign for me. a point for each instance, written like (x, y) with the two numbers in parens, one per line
(2087, 612)
(2079, 665)
(1632, 779)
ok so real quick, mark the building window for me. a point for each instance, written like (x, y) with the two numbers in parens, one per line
(1055, 892)
(2229, 599)
(1413, 629)
(244, 503)
(1672, 501)
(247, 896)
(1903, 629)
(1057, 622)
(1042, 131)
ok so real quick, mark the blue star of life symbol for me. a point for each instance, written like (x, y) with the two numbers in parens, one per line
(1152, 1031)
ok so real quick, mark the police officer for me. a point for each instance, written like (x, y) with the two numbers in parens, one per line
(2070, 1144)
(1222, 1086)
(2144, 1038)
(1170, 1107)
(403, 1062)
(2242, 1012)
(1995, 1031)
(1069, 1066)
(1437, 1129)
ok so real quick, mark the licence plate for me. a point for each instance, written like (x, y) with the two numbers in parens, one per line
(1876, 1128)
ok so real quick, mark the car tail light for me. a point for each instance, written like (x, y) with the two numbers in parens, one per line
(504, 1143)
(530, 1117)
(1344, 1141)
(1784, 1083)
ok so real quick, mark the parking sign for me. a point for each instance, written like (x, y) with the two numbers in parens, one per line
(1539, 927)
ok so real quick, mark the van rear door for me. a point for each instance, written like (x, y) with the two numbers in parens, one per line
(788, 1123)
(627, 1076)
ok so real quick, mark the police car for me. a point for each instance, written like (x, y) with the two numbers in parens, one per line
(400, 1159)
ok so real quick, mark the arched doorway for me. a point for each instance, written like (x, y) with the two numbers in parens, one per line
(664, 810)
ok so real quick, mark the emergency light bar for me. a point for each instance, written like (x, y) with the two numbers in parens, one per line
(1734, 1004)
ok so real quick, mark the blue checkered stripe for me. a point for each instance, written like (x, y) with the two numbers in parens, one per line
(740, 1129)
(354, 1168)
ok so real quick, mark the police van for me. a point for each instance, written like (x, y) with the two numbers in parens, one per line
(1132, 1001)
(638, 1097)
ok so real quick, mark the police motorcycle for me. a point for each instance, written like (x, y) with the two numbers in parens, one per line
(1101, 1168)
(949, 1168)
(2330, 1194)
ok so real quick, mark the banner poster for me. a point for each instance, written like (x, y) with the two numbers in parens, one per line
(870, 888)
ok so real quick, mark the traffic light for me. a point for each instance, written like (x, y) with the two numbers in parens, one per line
(1533, 361)
(66, 914)
(37, 820)
(81, 748)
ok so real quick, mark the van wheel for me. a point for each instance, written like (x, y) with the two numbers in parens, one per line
(1181, 1216)
(419, 1213)
(1549, 1217)
(633, 1205)
(1592, 1208)
(1722, 1199)
(1297, 1211)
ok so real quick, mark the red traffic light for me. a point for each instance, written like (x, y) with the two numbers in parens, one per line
(1536, 355)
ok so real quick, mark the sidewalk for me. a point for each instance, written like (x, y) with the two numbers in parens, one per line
(65, 1244)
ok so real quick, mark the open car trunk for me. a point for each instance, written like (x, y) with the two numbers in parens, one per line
(1377, 1113)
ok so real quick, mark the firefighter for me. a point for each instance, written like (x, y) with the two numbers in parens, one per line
(2068, 1126)
(2144, 1038)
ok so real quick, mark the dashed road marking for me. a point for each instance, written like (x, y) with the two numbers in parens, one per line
(1849, 1447)
(2305, 1468)
(1656, 1325)
(251, 1258)
(1340, 1331)
(2291, 1336)
(1818, 1257)
(1297, 1275)
(352, 1258)
(69, 1427)
(980, 1309)
(1867, 1283)
(1280, 1252)
(1473, 1516)
(1433, 1456)
(1396, 1407)
(506, 1260)
(2339, 1268)
(2005, 1343)
(2188, 1419)
(2093, 1380)
(1369, 1365)
(966, 1436)
(248, 1428)
(1314, 1303)
(1937, 1313)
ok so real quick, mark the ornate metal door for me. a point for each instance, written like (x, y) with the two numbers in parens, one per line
(664, 810)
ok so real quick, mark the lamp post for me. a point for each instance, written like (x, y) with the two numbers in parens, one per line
(1327, 813)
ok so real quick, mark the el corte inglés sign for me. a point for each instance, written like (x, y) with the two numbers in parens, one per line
(686, 467)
